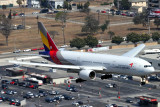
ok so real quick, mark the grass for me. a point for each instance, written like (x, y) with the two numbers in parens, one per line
(30, 38)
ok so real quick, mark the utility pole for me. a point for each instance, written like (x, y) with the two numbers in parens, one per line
(118, 4)
(24, 14)
(37, 22)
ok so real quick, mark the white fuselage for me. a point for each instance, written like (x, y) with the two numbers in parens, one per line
(111, 63)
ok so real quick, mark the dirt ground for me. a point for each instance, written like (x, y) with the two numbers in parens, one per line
(30, 38)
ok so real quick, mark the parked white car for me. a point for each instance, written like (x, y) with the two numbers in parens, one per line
(26, 50)
(109, 85)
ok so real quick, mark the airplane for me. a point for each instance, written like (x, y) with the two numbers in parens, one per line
(87, 65)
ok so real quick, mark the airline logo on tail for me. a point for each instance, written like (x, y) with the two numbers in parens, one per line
(48, 43)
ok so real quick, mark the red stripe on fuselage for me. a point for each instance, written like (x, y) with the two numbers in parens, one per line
(53, 55)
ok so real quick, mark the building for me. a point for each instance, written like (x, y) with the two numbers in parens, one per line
(15, 71)
(138, 5)
(153, 4)
(9, 3)
(33, 3)
(56, 3)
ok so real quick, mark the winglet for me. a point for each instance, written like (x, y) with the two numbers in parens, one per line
(48, 43)
(134, 51)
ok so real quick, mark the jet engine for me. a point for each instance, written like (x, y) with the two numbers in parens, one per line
(87, 74)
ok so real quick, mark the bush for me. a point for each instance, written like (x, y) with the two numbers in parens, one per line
(155, 36)
(117, 40)
(144, 37)
(78, 43)
(133, 37)
(91, 41)
(105, 3)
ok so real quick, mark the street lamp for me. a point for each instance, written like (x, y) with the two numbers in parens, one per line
(37, 22)
(63, 34)
(98, 15)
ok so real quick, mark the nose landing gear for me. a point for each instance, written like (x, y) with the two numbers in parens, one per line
(144, 80)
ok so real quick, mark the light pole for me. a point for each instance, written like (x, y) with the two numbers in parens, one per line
(37, 22)
(63, 34)
(24, 14)
(98, 15)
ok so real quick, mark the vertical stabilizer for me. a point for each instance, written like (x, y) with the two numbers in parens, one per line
(48, 43)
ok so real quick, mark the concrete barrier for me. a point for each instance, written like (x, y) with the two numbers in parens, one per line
(132, 45)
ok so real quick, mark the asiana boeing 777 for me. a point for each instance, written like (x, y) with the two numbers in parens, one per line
(87, 65)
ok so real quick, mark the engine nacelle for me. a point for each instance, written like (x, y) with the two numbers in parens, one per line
(87, 74)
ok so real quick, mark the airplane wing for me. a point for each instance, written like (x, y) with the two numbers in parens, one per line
(58, 66)
(134, 51)
(32, 55)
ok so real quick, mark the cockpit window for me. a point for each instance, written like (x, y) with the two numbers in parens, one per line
(145, 66)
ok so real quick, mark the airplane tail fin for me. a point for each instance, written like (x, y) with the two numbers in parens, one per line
(48, 43)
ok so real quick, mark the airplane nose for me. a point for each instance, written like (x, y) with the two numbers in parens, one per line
(152, 69)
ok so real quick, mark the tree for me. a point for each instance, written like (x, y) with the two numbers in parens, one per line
(62, 16)
(19, 2)
(155, 36)
(70, 7)
(78, 43)
(117, 40)
(125, 5)
(53, 33)
(91, 25)
(10, 14)
(91, 41)
(157, 22)
(115, 3)
(6, 28)
(104, 26)
(141, 18)
(144, 37)
(65, 5)
(111, 34)
(133, 37)
(85, 8)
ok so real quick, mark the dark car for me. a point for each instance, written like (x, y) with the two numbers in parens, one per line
(14, 81)
(3, 98)
(21, 14)
(56, 11)
(58, 98)
(50, 100)
(20, 27)
(21, 83)
(53, 92)
(129, 101)
(15, 102)
(4, 86)
(29, 95)
(70, 88)
(74, 90)
(118, 12)
(5, 82)
(10, 92)
(67, 97)
(44, 11)
(42, 93)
